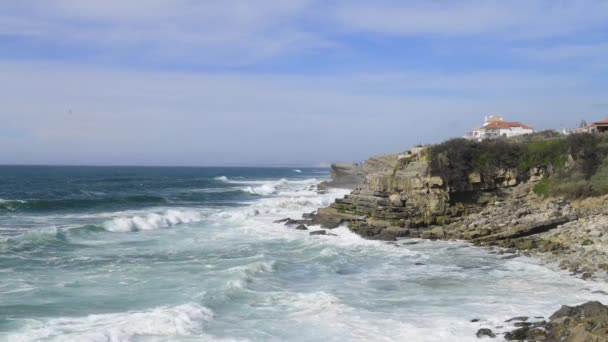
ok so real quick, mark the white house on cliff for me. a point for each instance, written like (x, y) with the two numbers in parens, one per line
(495, 126)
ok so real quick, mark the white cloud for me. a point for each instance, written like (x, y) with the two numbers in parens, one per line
(242, 32)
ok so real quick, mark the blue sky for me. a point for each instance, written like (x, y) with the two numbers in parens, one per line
(184, 82)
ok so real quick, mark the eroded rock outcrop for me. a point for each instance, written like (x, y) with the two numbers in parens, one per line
(403, 198)
(498, 209)
(584, 323)
(352, 175)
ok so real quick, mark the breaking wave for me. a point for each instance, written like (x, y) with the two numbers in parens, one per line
(183, 320)
(152, 221)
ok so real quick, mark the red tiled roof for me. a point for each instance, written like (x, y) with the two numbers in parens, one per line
(603, 122)
(506, 125)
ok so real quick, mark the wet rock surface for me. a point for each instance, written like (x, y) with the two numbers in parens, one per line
(584, 323)
(481, 333)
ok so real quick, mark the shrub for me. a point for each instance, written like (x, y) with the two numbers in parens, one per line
(455, 159)
(543, 188)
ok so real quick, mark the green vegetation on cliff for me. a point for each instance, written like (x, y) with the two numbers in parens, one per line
(575, 166)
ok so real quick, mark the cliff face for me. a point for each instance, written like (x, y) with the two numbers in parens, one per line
(503, 207)
(351, 176)
(403, 197)
(509, 198)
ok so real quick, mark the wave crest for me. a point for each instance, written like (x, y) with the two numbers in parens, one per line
(152, 221)
(182, 320)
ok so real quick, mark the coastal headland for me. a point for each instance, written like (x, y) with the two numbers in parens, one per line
(543, 195)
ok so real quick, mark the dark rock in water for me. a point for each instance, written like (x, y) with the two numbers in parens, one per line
(522, 324)
(282, 220)
(517, 319)
(301, 227)
(520, 334)
(291, 222)
(507, 257)
(583, 323)
(318, 232)
(409, 243)
(474, 320)
(481, 333)
(308, 216)
(419, 264)
(330, 234)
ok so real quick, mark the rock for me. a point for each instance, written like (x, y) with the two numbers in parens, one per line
(292, 222)
(392, 233)
(520, 334)
(318, 232)
(396, 200)
(475, 320)
(517, 319)
(301, 227)
(584, 323)
(481, 333)
(309, 216)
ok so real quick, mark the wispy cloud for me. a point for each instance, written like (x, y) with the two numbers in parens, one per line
(216, 82)
(212, 32)
(240, 32)
(516, 19)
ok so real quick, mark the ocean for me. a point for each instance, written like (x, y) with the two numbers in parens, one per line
(193, 254)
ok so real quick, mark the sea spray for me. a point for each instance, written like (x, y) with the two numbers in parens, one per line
(152, 221)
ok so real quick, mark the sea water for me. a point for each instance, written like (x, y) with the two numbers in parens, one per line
(193, 254)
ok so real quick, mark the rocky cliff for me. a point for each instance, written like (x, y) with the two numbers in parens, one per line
(494, 204)
(404, 198)
(352, 175)
(538, 197)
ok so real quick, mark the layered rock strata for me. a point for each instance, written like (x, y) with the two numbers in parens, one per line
(404, 200)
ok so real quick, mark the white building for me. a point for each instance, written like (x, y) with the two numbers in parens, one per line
(495, 126)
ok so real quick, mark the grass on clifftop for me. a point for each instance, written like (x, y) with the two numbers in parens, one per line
(576, 165)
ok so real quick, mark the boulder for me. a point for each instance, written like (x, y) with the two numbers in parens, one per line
(396, 200)
(318, 232)
(301, 227)
(584, 323)
(481, 333)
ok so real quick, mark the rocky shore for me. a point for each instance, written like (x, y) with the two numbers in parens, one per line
(397, 197)
(403, 200)
(583, 323)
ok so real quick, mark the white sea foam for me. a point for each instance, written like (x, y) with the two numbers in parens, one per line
(297, 171)
(11, 201)
(335, 288)
(178, 321)
(151, 221)
(221, 179)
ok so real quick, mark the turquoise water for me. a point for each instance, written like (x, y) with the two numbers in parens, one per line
(192, 254)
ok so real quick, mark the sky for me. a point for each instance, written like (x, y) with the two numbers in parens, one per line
(294, 82)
